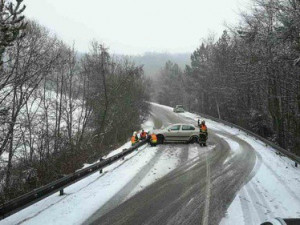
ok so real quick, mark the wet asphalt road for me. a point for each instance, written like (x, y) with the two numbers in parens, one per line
(198, 191)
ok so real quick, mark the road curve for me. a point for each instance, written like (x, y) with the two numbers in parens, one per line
(198, 191)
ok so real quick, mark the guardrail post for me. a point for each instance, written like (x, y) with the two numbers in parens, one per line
(61, 191)
(101, 159)
(124, 151)
(296, 164)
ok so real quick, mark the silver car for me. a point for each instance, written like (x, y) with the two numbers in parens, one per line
(178, 133)
(178, 109)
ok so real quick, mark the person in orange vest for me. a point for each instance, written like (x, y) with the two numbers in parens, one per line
(134, 139)
(143, 135)
(203, 133)
(153, 139)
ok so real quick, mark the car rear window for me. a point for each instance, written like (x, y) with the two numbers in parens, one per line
(176, 127)
(187, 127)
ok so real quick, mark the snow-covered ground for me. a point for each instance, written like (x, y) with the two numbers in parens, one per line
(274, 191)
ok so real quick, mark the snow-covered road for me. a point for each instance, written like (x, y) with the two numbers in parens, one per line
(273, 189)
(235, 180)
(197, 191)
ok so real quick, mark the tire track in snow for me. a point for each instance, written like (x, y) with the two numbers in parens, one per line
(260, 197)
(126, 190)
(207, 193)
(264, 193)
(245, 208)
(282, 182)
(184, 153)
(255, 202)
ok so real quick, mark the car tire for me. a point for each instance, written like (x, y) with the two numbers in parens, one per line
(194, 140)
(160, 139)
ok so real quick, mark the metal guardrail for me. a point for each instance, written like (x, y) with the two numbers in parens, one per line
(38, 194)
(285, 152)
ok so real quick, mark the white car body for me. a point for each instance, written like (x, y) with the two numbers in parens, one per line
(178, 109)
(178, 133)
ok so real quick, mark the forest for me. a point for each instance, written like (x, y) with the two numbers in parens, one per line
(248, 76)
(59, 109)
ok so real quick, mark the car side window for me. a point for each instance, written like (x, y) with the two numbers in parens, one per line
(176, 127)
(187, 127)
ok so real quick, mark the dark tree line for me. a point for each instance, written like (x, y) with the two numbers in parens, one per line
(59, 109)
(249, 76)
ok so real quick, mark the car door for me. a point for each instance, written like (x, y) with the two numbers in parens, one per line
(186, 132)
(173, 133)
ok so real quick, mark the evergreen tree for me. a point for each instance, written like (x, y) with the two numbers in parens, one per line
(11, 24)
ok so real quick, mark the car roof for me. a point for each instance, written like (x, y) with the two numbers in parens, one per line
(188, 124)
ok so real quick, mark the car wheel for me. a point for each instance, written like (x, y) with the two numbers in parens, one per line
(160, 139)
(194, 140)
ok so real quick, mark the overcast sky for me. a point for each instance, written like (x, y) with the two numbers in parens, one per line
(135, 26)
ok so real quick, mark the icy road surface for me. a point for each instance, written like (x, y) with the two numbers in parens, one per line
(235, 180)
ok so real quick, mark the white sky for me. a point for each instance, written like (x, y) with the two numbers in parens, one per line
(135, 26)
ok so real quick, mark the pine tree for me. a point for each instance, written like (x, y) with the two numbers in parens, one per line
(11, 24)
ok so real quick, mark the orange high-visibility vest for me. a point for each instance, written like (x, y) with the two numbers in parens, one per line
(133, 140)
(143, 135)
(153, 138)
(203, 128)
